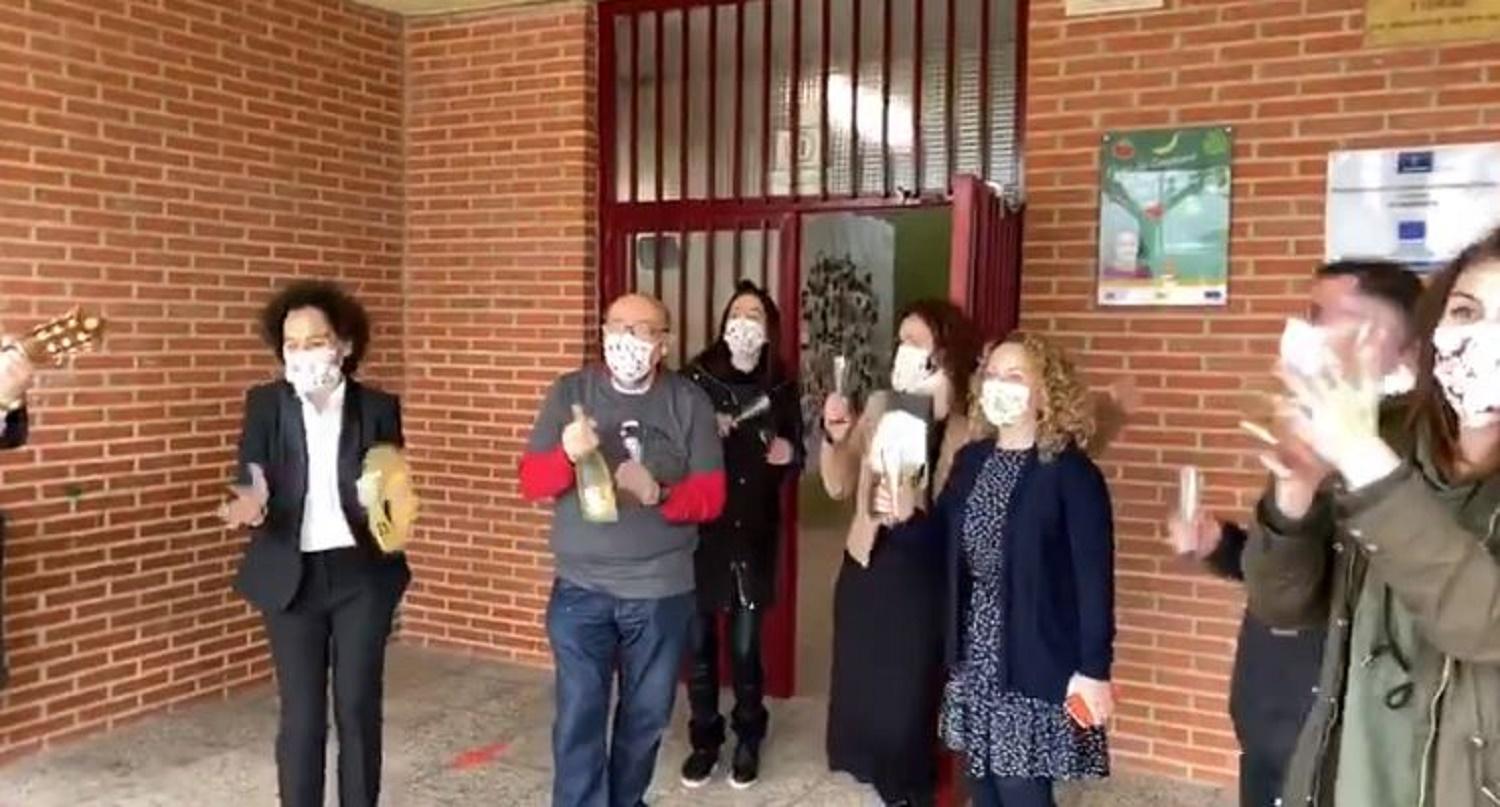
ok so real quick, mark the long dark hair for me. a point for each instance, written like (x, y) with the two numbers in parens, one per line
(1431, 415)
(771, 370)
(954, 337)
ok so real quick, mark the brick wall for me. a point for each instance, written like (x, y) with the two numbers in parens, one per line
(168, 166)
(1295, 80)
(500, 274)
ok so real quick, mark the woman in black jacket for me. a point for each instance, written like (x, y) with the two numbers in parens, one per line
(760, 422)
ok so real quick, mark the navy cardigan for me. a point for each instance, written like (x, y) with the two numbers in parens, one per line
(1060, 582)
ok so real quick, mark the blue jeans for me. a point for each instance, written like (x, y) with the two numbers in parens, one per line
(594, 634)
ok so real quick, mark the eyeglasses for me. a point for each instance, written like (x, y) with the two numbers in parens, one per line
(640, 330)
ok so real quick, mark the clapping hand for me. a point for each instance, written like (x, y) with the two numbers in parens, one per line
(780, 452)
(581, 436)
(634, 478)
(16, 373)
(1335, 415)
(248, 507)
(1198, 537)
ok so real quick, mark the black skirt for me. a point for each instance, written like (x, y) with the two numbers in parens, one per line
(887, 666)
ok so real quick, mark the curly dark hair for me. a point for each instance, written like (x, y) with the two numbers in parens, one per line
(347, 318)
(955, 341)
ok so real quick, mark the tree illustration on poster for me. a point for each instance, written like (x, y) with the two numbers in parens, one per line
(839, 316)
(1164, 217)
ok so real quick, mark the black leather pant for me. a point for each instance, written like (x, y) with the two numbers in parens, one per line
(749, 717)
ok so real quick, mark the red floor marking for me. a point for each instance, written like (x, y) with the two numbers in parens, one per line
(475, 757)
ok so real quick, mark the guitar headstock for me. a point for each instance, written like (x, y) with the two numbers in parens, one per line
(57, 339)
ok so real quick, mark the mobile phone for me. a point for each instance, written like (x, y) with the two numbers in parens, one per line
(1078, 711)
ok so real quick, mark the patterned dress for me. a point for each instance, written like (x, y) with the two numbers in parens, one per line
(1002, 732)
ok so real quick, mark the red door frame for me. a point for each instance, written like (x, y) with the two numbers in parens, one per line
(779, 638)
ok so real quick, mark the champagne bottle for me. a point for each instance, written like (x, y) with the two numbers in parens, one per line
(596, 488)
(593, 481)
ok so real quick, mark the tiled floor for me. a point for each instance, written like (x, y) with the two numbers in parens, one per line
(458, 732)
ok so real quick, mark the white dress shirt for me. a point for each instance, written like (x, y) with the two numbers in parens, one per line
(324, 526)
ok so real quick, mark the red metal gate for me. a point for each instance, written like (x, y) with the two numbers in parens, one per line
(721, 120)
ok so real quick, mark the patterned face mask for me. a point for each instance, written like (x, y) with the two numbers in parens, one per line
(1466, 364)
(912, 370)
(1004, 402)
(629, 358)
(314, 370)
(744, 337)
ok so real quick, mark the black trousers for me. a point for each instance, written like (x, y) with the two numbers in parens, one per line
(749, 718)
(994, 791)
(339, 620)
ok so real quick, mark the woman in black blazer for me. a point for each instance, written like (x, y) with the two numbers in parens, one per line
(327, 593)
(1030, 543)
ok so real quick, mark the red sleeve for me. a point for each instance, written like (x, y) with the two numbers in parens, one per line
(697, 499)
(545, 475)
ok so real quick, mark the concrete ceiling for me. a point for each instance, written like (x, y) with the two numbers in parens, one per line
(414, 8)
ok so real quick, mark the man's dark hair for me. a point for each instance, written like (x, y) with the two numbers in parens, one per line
(1387, 281)
(345, 316)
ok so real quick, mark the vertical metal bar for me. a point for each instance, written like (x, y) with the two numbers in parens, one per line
(984, 89)
(765, 255)
(660, 140)
(685, 130)
(766, 18)
(855, 167)
(739, 95)
(919, 13)
(710, 268)
(950, 137)
(739, 268)
(635, 103)
(713, 104)
(656, 276)
(794, 119)
(682, 273)
(823, 134)
(885, 104)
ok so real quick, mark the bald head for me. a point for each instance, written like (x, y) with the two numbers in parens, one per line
(631, 310)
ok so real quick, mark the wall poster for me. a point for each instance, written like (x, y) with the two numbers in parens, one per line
(1164, 217)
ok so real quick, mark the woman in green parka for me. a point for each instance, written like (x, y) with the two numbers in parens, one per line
(1393, 541)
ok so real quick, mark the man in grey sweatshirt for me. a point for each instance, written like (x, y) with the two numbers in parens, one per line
(623, 597)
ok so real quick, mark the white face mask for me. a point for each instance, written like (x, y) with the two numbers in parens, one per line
(912, 371)
(1466, 364)
(744, 337)
(315, 370)
(1004, 402)
(1305, 348)
(629, 359)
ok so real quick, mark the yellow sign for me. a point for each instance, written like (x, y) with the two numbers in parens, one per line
(1398, 22)
(1080, 8)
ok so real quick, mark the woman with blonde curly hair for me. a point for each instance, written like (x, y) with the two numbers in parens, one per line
(1030, 540)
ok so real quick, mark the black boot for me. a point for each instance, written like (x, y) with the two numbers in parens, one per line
(746, 770)
(699, 767)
